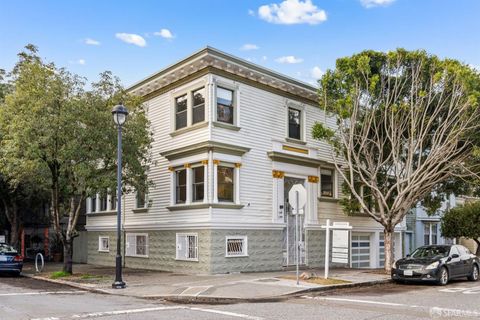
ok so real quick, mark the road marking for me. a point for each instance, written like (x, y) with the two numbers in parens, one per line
(194, 291)
(143, 310)
(39, 293)
(434, 311)
(362, 301)
(464, 290)
(227, 313)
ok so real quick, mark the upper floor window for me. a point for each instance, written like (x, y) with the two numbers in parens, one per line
(225, 105)
(294, 124)
(181, 105)
(198, 105)
(141, 199)
(198, 183)
(326, 183)
(181, 186)
(225, 184)
(113, 200)
(103, 202)
(93, 201)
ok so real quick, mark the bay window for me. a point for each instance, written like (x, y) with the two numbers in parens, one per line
(225, 184)
(181, 105)
(225, 107)
(198, 105)
(181, 186)
(198, 183)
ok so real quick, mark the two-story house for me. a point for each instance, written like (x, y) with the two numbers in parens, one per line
(230, 139)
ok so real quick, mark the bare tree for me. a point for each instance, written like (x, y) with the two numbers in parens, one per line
(406, 123)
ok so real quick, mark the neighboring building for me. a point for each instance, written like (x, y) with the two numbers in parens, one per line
(424, 229)
(230, 139)
(469, 243)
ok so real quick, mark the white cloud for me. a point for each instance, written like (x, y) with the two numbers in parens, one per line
(79, 61)
(264, 58)
(316, 73)
(91, 42)
(289, 59)
(251, 13)
(249, 46)
(292, 12)
(164, 33)
(132, 39)
(376, 3)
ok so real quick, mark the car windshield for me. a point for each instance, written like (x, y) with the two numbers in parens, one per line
(430, 252)
(5, 248)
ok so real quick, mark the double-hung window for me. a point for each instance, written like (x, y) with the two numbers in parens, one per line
(93, 202)
(198, 105)
(103, 202)
(294, 123)
(326, 183)
(225, 105)
(181, 186)
(141, 199)
(181, 106)
(198, 181)
(113, 200)
(225, 184)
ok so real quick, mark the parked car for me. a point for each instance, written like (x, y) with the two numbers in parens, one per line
(10, 260)
(438, 263)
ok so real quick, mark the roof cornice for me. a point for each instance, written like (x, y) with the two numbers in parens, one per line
(212, 58)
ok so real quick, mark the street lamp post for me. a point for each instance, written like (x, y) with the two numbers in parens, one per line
(119, 116)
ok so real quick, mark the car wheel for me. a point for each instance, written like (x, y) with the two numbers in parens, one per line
(443, 276)
(474, 275)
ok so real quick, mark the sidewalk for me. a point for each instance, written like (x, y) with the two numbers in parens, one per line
(223, 288)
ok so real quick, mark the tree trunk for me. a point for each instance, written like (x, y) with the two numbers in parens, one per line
(14, 232)
(67, 255)
(388, 241)
(478, 247)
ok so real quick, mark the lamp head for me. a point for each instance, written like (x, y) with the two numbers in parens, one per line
(119, 114)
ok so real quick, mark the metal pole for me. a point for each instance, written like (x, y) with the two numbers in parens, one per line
(297, 235)
(119, 284)
(327, 249)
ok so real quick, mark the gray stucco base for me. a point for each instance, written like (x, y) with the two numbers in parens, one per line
(264, 251)
(315, 248)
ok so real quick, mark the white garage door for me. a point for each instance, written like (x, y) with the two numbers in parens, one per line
(360, 250)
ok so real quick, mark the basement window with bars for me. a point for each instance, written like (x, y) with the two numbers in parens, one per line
(187, 246)
(137, 245)
(236, 246)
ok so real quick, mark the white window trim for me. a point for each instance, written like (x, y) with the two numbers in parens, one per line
(244, 247)
(187, 91)
(100, 249)
(236, 182)
(147, 245)
(334, 182)
(236, 102)
(177, 236)
(146, 204)
(303, 129)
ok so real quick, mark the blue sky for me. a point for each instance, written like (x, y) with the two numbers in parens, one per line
(300, 38)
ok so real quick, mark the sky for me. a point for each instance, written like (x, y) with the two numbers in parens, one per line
(300, 38)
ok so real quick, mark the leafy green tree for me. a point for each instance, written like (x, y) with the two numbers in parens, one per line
(55, 129)
(405, 128)
(463, 222)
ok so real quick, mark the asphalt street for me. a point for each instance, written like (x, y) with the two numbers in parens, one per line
(25, 298)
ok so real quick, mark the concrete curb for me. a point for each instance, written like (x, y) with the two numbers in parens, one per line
(213, 299)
